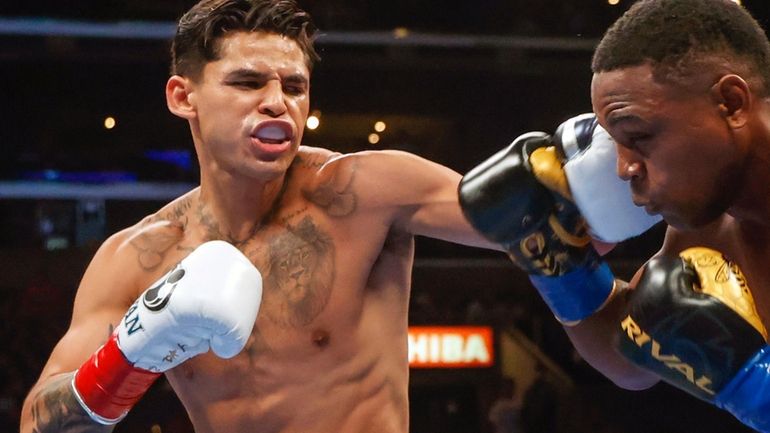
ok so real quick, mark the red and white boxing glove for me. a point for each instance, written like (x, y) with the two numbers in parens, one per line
(208, 301)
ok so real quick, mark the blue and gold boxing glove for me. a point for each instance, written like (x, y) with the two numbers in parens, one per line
(691, 320)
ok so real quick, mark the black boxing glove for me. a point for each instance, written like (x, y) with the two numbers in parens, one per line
(692, 321)
(519, 198)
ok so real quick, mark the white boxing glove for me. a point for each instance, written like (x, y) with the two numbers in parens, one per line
(604, 199)
(208, 301)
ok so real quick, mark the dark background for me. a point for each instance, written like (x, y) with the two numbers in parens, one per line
(466, 79)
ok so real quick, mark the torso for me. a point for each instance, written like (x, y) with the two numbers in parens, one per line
(328, 352)
(746, 245)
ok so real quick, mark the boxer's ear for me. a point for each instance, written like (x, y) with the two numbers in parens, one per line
(179, 97)
(734, 97)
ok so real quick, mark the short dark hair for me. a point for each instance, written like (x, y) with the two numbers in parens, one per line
(200, 30)
(671, 34)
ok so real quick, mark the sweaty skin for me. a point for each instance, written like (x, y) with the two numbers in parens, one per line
(332, 235)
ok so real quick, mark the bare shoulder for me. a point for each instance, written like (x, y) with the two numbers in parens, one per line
(312, 159)
(384, 178)
(156, 236)
(128, 259)
(399, 189)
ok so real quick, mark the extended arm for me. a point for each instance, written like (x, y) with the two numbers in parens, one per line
(528, 199)
(413, 194)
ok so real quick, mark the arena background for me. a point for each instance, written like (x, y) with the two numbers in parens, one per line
(452, 81)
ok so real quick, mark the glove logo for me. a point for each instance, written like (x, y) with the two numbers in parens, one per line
(156, 298)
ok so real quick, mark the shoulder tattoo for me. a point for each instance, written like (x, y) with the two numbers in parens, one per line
(335, 195)
(152, 246)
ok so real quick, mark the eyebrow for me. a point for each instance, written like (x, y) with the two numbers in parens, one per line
(296, 79)
(256, 75)
(245, 73)
(613, 120)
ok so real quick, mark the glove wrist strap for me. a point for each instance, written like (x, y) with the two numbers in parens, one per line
(746, 396)
(578, 294)
(107, 386)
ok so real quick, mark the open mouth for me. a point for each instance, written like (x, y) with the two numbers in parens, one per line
(272, 134)
(272, 137)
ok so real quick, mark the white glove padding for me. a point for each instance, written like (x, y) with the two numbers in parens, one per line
(208, 301)
(603, 198)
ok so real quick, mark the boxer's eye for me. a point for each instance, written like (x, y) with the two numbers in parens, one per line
(247, 84)
(637, 140)
(294, 90)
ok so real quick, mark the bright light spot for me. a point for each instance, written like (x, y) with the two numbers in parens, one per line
(155, 429)
(374, 138)
(312, 122)
(737, 1)
(400, 32)
(379, 126)
(109, 122)
(613, 2)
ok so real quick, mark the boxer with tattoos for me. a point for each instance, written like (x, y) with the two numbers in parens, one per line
(274, 295)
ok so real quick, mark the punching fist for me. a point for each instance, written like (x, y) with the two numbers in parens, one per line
(692, 321)
(209, 301)
(520, 199)
(507, 200)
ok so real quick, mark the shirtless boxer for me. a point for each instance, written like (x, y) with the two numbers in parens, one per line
(682, 86)
(330, 234)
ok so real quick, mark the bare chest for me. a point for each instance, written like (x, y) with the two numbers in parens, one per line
(317, 270)
(325, 328)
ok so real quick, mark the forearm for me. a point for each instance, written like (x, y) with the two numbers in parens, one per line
(594, 339)
(52, 407)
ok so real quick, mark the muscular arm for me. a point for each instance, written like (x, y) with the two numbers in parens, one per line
(51, 407)
(593, 337)
(99, 304)
(421, 195)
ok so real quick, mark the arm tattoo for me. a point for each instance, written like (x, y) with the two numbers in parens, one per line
(55, 410)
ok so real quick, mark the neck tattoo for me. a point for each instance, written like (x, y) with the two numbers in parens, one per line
(214, 232)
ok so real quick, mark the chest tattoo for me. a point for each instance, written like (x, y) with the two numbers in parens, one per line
(299, 274)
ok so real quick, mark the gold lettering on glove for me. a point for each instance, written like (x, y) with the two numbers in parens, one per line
(567, 237)
(641, 338)
(724, 280)
(532, 248)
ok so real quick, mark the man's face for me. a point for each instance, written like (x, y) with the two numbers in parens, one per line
(251, 105)
(674, 145)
